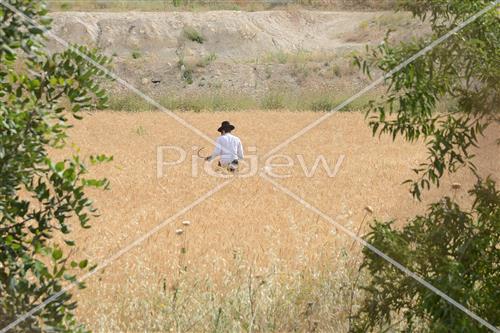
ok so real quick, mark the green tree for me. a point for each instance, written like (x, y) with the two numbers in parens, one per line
(41, 199)
(462, 74)
(446, 98)
(454, 250)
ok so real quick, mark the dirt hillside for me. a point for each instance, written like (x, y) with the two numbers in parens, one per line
(244, 52)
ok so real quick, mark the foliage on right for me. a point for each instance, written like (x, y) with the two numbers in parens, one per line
(447, 98)
(454, 250)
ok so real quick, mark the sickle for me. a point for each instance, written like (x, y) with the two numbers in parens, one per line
(199, 151)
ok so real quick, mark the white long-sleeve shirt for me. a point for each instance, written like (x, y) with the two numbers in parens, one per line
(229, 148)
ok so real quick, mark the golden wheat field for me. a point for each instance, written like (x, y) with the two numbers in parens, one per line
(251, 258)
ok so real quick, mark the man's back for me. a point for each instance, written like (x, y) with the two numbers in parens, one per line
(229, 147)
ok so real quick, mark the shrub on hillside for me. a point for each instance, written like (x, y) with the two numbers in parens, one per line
(193, 35)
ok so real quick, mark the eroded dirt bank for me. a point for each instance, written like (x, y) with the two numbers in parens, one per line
(232, 51)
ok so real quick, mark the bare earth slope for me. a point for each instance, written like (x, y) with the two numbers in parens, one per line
(253, 52)
(230, 34)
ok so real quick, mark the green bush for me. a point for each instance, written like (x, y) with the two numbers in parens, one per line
(415, 91)
(136, 54)
(207, 60)
(454, 250)
(445, 98)
(187, 75)
(193, 35)
(280, 57)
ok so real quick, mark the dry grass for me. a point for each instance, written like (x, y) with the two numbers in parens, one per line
(251, 259)
(274, 99)
(403, 26)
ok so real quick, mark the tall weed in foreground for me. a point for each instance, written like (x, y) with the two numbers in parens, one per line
(241, 298)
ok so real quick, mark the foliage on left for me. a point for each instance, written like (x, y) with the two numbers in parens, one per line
(41, 200)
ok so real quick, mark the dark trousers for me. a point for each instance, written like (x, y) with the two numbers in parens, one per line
(231, 166)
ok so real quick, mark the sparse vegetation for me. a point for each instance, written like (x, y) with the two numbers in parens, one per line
(128, 102)
(65, 6)
(272, 300)
(136, 54)
(322, 105)
(301, 71)
(279, 57)
(208, 102)
(193, 35)
(299, 57)
(187, 75)
(336, 70)
(207, 60)
(273, 101)
(187, 70)
(401, 24)
(201, 5)
(140, 131)
(301, 64)
(216, 101)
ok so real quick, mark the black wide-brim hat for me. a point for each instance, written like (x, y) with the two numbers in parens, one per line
(226, 127)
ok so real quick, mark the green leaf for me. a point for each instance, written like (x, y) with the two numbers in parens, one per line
(83, 263)
(59, 166)
(57, 254)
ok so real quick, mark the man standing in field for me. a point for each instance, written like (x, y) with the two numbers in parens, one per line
(228, 147)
